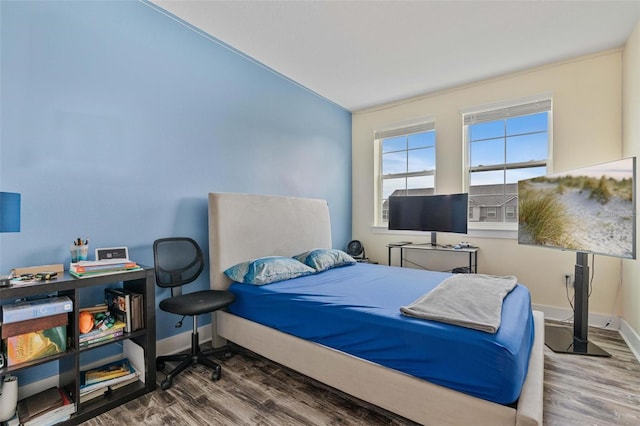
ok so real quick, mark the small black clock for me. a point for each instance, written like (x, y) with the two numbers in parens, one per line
(111, 253)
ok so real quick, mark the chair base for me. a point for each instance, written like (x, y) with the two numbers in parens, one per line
(196, 356)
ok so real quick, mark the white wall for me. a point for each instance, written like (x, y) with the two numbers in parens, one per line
(587, 114)
(631, 144)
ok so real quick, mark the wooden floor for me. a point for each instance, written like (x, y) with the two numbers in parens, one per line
(254, 391)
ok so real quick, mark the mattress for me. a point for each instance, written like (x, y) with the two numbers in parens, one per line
(356, 310)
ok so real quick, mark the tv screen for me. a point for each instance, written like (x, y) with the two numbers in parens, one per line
(590, 210)
(435, 213)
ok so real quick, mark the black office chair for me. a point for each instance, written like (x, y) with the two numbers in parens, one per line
(179, 261)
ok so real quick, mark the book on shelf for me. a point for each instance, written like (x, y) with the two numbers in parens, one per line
(102, 307)
(30, 309)
(112, 335)
(102, 266)
(107, 372)
(119, 303)
(118, 326)
(126, 306)
(137, 311)
(73, 272)
(88, 396)
(48, 407)
(107, 375)
(34, 345)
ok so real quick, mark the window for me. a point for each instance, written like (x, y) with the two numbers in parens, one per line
(503, 146)
(406, 163)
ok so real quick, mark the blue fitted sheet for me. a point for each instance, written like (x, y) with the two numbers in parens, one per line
(356, 309)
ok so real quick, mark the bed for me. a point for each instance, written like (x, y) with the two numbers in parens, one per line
(243, 227)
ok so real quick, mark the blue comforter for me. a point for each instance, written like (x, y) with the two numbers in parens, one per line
(356, 309)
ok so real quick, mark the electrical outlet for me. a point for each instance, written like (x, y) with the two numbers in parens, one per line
(568, 280)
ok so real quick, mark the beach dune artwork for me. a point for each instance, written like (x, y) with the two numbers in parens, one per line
(589, 210)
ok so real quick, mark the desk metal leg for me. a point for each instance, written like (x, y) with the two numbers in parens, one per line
(389, 257)
(473, 256)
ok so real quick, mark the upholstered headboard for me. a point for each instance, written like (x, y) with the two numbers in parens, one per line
(246, 226)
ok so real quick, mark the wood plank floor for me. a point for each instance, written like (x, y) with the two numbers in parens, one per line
(254, 391)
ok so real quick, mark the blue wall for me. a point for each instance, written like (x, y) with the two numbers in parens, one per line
(117, 120)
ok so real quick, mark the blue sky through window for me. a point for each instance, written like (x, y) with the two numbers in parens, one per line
(521, 139)
(413, 153)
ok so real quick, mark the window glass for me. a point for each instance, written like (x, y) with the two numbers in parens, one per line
(407, 165)
(421, 159)
(504, 146)
(394, 144)
(531, 147)
(394, 162)
(486, 152)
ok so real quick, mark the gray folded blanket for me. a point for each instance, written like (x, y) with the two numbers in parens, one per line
(468, 300)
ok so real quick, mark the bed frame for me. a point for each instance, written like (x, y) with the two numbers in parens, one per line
(243, 227)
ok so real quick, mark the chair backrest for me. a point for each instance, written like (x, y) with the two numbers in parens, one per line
(177, 260)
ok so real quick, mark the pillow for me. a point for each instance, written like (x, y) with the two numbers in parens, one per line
(323, 259)
(267, 270)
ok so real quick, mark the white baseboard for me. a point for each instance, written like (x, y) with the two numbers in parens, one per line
(182, 341)
(609, 322)
(631, 337)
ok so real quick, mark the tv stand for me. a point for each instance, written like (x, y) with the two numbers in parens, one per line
(560, 339)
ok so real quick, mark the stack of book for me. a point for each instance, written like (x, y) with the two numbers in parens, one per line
(98, 381)
(98, 335)
(48, 407)
(86, 268)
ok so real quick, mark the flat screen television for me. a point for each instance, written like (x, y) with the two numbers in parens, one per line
(434, 213)
(590, 210)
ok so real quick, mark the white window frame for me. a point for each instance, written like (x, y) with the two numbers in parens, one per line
(515, 107)
(423, 124)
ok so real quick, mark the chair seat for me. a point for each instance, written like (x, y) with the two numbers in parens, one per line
(198, 302)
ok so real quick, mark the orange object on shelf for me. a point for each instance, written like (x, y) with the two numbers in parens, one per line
(85, 322)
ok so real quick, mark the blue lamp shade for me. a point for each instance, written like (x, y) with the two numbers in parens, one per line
(9, 212)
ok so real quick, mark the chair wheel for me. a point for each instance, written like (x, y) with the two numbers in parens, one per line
(217, 373)
(165, 384)
(159, 365)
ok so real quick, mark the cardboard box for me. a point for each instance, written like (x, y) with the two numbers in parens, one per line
(35, 345)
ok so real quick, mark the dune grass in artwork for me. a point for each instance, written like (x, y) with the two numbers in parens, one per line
(544, 219)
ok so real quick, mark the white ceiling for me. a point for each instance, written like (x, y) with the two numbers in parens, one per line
(361, 54)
